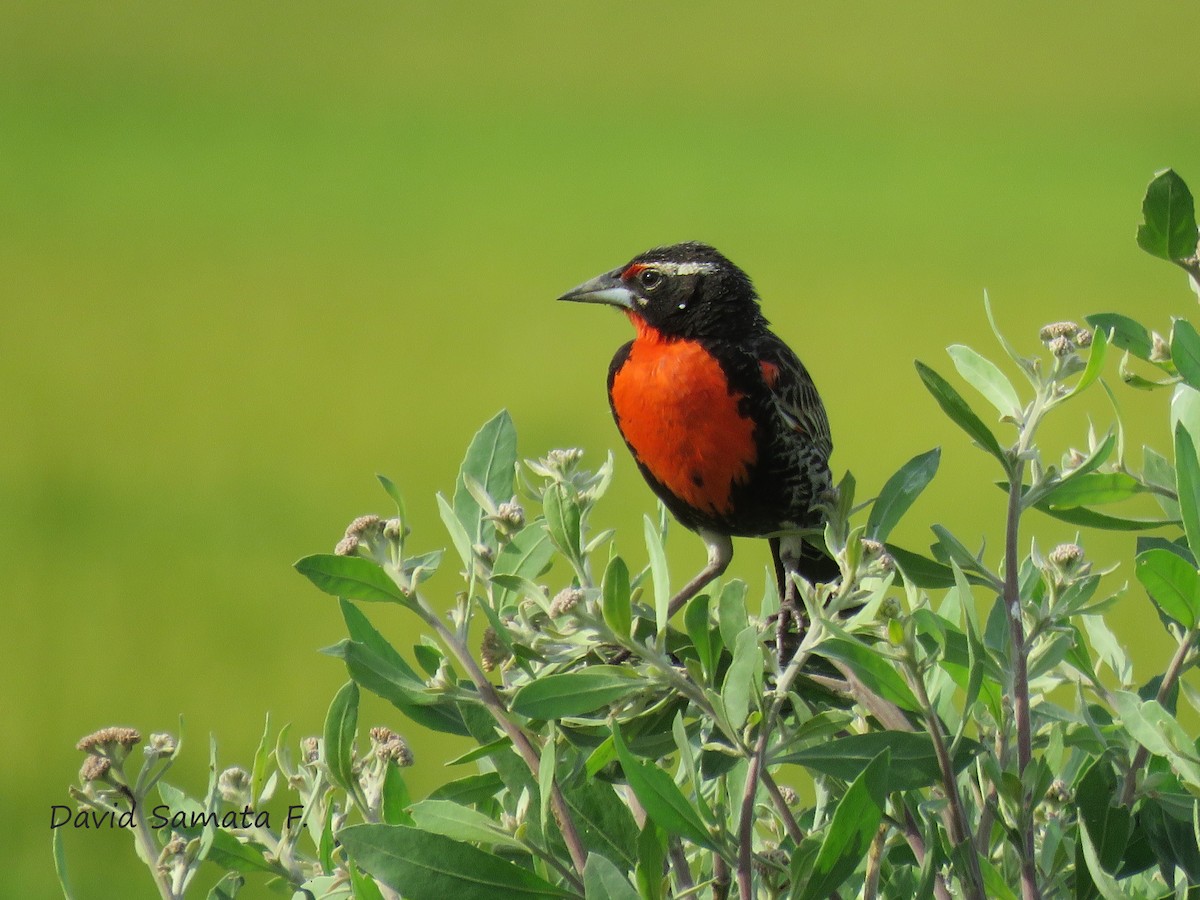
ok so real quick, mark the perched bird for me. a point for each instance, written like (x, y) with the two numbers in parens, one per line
(721, 416)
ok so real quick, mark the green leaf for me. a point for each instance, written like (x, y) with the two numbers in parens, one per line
(459, 536)
(875, 671)
(605, 824)
(924, 572)
(351, 578)
(1185, 409)
(563, 519)
(395, 798)
(652, 852)
(363, 886)
(380, 675)
(615, 596)
(341, 731)
(425, 866)
(491, 459)
(850, 831)
(704, 639)
(731, 611)
(743, 676)
(228, 852)
(1172, 582)
(1169, 227)
(1092, 489)
(1187, 477)
(602, 880)
(1126, 334)
(900, 491)
(985, 376)
(1107, 820)
(1185, 351)
(227, 888)
(394, 493)
(960, 412)
(1095, 363)
(526, 556)
(575, 693)
(659, 575)
(660, 796)
(262, 758)
(1089, 518)
(60, 863)
(914, 763)
(469, 790)
(447, 818)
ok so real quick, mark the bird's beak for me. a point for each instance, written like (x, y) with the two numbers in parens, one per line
(607, 288)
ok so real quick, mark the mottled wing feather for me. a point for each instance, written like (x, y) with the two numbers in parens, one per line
(796, 395)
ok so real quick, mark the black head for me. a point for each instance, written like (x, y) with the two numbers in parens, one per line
(686, 290)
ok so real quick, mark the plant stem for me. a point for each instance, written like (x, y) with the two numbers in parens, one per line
(679, 863)
(745, 873)
(149, 850)
(1164, 689)
(960, 831)
(1020, 658)
(912, 834)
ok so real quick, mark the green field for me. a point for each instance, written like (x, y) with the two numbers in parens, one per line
(253, 254)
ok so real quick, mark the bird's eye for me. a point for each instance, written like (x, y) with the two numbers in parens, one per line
(650, 278)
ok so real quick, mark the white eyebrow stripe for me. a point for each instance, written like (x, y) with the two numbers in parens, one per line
(685, 268)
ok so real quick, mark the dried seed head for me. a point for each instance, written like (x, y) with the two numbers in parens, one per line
(1057, 329)
(363, 524)
(108, 739)
(492, 652)
(95, 768)
(388, 746)
(565, 601)
(347, 546)
(1083, 337)
(871, 547)
(1061, 346)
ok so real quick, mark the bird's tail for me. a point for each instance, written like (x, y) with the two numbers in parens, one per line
(814, 566)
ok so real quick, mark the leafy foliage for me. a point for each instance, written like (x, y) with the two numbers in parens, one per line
(967, 722)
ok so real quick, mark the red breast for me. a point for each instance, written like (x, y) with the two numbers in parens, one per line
(676, 410)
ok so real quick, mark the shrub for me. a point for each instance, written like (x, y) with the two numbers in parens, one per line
(971, 724)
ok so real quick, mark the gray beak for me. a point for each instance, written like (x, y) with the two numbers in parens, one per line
(607, 288)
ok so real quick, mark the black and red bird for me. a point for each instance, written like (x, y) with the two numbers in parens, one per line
(721, 416)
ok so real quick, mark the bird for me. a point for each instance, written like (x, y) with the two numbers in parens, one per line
(721, 416)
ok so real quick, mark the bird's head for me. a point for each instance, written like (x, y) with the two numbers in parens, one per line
(685, 290)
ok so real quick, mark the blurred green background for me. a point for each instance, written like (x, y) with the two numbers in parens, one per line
(254, 253)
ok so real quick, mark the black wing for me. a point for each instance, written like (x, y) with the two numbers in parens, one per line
(795, 395)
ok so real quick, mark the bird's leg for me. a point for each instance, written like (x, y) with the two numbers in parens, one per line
(791, 548)
(720, 552)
